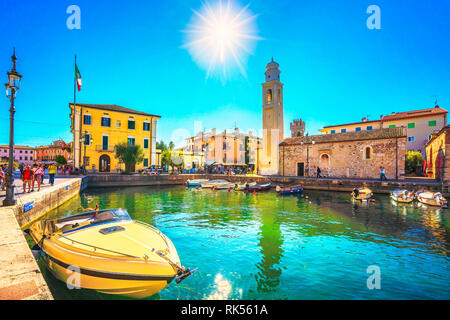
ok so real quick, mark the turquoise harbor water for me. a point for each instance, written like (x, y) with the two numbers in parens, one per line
(263, 246)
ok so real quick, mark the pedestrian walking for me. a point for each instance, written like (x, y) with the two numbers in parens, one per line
(38, 173)
(318, 172)
(52, 172)
(382, 174)
(27, 178)
(2, 177)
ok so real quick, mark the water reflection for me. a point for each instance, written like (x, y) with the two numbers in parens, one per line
(270, 242)
(243, 244)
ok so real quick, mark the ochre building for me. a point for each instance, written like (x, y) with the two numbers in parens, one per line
(97, 128)
(437, 150)
(346, 155)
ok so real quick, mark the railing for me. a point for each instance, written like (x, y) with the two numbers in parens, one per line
(102, 148)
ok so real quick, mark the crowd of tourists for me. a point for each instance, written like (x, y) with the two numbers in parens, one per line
(33, 176)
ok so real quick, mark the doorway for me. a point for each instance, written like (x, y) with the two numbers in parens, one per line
(105, 163)
(300, 169)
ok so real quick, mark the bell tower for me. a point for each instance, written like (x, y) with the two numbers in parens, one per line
(272, 118)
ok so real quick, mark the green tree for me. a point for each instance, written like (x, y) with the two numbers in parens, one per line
(59, 159)
(161, 146)
(172, 158)
(130, 155)
(413, 160)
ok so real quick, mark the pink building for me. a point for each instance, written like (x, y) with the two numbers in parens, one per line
(22, 154)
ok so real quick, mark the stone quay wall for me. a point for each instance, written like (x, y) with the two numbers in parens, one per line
(47, 200)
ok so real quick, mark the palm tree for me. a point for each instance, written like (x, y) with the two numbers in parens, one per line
(129, 154)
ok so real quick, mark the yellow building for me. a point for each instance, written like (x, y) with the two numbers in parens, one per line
(97, 128)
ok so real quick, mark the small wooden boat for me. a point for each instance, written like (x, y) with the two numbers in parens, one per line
(242, 186)
(195, 182)
(362, 194)
(225, 186)
(106, 251)
(432, 198)
(295, 189)
(259, 187)
(213, 183)
(402, 195)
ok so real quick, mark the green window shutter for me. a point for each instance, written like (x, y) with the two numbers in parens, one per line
(392, 126)
(411, 125)
(432, 123)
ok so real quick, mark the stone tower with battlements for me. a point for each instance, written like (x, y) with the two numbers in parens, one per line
(297, 128)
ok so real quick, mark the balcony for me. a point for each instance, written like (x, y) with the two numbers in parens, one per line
(101, 148)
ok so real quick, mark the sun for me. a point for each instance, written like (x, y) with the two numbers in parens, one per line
(220, 38)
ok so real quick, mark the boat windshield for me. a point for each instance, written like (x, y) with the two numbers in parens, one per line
(91, 218)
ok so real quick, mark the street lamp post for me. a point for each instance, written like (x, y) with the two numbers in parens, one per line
(307, 156)
(11, 89)
(85, 142)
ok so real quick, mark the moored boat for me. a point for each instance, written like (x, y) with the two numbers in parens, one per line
(213, 183)
(224, 186)
(107, 251)
(431, 198)
(362, 194)
(195, 182)
(242, 186)
(295, 189)
(402, 195)
(259, 187)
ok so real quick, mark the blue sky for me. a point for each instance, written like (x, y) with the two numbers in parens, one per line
(130, 53)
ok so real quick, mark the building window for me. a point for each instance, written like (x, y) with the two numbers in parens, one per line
(411, 139)
(324, 160)
(131, 124)
(333, 131)
(31, 158)
(343, 130)
(358, 129)
(369, 127)
(432, 123)
(146, 143)
(106, 122)
(392, 126)
(105, 143)
(87, 119)
(117, 123)
(131, 141)
(146, 126)
(411, 125)
(26, 158)
(145, 162)
(20, 151)
(269, 96)
(368, 153)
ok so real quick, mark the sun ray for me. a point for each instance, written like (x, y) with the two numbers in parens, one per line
(220, 38)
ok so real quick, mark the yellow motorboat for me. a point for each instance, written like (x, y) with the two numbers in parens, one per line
(362, 194)
(109, 252)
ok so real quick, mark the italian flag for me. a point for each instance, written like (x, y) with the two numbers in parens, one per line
(78, 77)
